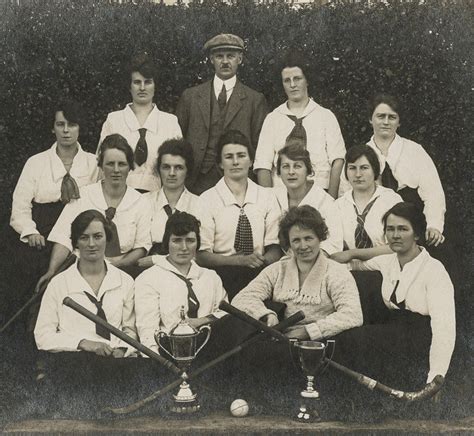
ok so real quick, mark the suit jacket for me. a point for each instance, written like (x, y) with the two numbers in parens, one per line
(246, 111)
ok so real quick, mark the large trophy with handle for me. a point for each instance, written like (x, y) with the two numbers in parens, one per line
(183, 343)
(312, 359)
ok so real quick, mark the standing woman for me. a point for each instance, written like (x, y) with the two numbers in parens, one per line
(124, 208)
(174, 166)
(240, 222)
(294, 166)
(142, 124)
(49, 180)
(361, 208)
(406, 167)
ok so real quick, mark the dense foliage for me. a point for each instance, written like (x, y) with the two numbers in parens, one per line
(421, 53)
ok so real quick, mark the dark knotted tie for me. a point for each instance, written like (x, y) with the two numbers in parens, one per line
(298, 134)
(393, 297)
(141, 150)
(243, 242)
(113, 246)
(193, 302)
(101, 331)
(388, 179)
(362, 239)
(168, 210)
(69, 189)
(222, 98)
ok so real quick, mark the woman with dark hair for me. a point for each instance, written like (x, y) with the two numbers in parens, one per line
(124, 208)
(420, 314)
(175, 281)
(301, 118)
(304, 280)
(294, 167)
(406, 167)
(174, 166)
(49, 180)
(361, 208)
(240, 220)
(142, 124)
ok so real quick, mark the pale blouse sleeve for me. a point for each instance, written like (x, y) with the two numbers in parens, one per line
(335, 240)
(265, 152)
(143, 232)
(208, 227)
(271, 219)
(219, 295)
(251, 298)
(342, 289)
(128, 313)
(334, 140)
(61, 232)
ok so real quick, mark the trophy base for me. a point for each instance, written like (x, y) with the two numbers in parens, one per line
(306, 414)
(185, 408)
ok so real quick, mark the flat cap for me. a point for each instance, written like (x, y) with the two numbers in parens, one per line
(224, 40)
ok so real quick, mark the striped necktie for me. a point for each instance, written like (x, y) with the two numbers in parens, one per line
(193, 302)
(141, 150)
(298, 134)
(362, 239)
(101, 331)
(112, 247)
(243, 242)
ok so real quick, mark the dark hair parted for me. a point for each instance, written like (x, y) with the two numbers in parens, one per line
(180, 224)
(176, 147)
(118, 142)
(387, 99)
(82, 221)
(295, 58)
(356, 152)
(295, 151)
(233, 137)
(143, 64)
(412, 214)
(306, 217)
(72, 111)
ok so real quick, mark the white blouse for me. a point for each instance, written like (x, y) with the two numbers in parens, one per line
(159, 295)
(221, 216)
(426, 288)
(160, 126)
(132, 218)
(60, 328)
(40, 181)
(324, 204)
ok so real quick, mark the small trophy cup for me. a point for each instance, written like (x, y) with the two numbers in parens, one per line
(312, 360)
(183, 343)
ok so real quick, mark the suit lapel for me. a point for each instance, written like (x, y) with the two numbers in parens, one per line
(235, 103)
(204, 102)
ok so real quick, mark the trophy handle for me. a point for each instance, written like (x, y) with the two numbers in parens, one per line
(208, 335)
(330, 343)
(158, 338)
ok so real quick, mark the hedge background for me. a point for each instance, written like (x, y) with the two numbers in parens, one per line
(421, 53)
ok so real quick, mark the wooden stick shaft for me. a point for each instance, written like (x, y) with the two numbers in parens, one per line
(68, 301)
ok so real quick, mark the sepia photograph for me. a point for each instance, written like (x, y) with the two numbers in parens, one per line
(236, 217)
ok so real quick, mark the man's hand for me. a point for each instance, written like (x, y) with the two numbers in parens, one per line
(36, 241)
(270, 320)
(99, 348)
(298, 332)
(433, 236)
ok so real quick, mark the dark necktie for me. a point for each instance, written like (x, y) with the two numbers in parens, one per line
(362, 239)
(113, 246)
(69, 189)
(243, 242)
(168, 210)
(222, 98)
(393, 297)
(101, 331)
(298, 134)
(141, 150)
(388, 179)
(193, 302)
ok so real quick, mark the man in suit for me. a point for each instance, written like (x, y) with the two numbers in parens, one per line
(206, 111)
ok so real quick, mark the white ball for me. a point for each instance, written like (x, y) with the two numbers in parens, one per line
(239, 408)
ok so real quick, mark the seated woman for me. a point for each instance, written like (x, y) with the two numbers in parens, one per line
(123, 207)
(81, 374)
(240, 221)
(175, 281)
(294, 166)
(142, 124)
(406, 167)
(174, 165)
(420, 314)
(49, 180)
(361, 208)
